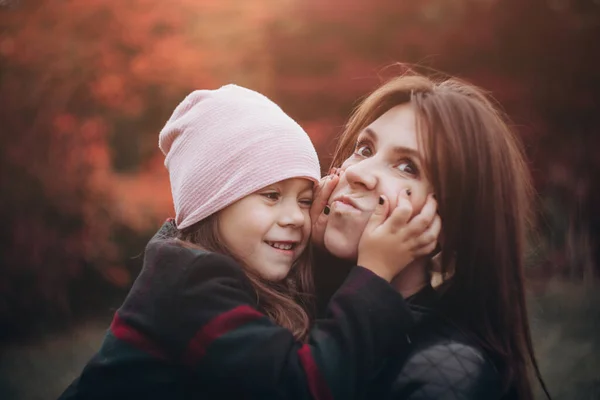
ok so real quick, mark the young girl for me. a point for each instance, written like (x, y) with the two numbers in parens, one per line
(220, 309)
(472, 339)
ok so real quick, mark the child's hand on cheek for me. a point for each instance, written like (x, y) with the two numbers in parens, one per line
(389, 243)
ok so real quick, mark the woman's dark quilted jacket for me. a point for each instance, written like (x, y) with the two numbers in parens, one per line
(440, 363)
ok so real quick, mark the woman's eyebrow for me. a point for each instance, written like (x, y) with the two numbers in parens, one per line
(370, 133)
(398, 150)
(403, 151)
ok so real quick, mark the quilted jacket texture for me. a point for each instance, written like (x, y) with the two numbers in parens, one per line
(441, 363)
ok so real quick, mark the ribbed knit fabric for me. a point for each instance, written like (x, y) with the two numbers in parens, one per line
(222, 145)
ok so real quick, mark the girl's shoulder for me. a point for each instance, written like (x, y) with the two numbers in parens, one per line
(165, 248)
(167, 254)
(172, 263)
(175, 275)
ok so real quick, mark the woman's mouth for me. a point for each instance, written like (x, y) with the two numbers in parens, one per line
(345, 203)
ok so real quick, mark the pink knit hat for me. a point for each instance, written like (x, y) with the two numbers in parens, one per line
(222, 145)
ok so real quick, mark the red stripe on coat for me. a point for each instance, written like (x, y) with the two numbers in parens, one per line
(217, 327)
(128, 334)
(316, 383)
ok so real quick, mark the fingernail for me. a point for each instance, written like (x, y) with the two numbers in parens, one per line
(380, 200)
(326, 210)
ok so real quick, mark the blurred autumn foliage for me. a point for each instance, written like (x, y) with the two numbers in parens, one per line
(85, 87)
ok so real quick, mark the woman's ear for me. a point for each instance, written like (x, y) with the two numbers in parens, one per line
(436, 271)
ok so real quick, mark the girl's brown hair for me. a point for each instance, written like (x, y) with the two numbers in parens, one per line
(482, 184)
(288, 303)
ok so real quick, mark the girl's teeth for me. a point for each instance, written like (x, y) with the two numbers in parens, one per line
(281, 246)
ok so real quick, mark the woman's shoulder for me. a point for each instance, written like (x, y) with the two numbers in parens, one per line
(444, 363)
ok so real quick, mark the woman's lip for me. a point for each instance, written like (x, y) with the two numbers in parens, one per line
(348, 201)
(343, 206)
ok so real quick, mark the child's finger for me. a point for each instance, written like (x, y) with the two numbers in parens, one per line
(431, 234)
(400, 214)
(425, 250)
(318, 211)
(322, 194)
(379, 215)
(424, 219)
(318, 229)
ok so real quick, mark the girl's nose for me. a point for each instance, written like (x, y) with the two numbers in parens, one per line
(292, 215)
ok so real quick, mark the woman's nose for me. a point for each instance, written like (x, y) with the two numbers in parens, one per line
(361, 175)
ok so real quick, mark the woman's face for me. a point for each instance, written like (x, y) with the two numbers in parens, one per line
(387, 160)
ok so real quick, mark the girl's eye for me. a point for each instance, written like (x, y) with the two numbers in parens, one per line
(408, 167)
(363, 150)
(272, 195)
(305, 202)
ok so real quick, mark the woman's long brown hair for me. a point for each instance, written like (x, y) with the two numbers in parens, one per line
(288, 303)
(483, 187)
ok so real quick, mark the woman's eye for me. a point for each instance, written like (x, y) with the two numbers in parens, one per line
(363, 150)
(408, 167)
(272, 195)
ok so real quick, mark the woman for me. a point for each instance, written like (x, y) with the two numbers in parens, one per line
(416, 136)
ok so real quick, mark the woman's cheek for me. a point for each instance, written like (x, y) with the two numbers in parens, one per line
(346, 164)
(420, 198)
(418, 202)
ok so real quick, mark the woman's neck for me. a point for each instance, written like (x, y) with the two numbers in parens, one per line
(412, 278)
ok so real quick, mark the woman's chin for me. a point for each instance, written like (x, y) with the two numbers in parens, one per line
(341, 246)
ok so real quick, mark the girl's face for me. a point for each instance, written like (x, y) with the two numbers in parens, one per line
(269, 229)
(387, 160)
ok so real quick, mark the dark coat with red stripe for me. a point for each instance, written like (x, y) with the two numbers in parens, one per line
(190, 328)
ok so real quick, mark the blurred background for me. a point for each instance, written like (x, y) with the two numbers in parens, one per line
(86, 85)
